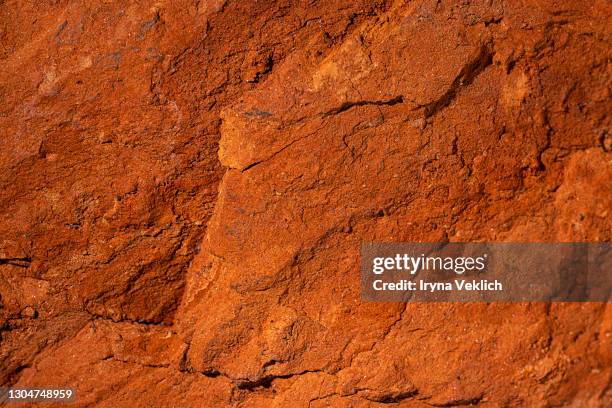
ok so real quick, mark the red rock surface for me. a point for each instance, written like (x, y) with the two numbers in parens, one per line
(184, 187)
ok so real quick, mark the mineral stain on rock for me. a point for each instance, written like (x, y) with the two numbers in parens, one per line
(184, 188)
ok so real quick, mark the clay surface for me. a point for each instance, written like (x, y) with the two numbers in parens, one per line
(185, 185)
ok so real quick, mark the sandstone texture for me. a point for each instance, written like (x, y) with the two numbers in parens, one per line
(185, 185)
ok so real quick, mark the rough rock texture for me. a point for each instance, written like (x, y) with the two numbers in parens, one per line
(184, 186)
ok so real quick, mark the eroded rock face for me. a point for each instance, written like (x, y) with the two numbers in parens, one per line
(185, 186)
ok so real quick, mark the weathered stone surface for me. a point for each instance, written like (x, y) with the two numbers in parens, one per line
(185, 186)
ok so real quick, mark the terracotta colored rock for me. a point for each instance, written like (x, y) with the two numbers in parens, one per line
(184, 188)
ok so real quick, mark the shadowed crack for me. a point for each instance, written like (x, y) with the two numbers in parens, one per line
(342, 108)
(393, 398)
(466, 76)
(21, 262)
(460, 402)
(266, 381)
(348, 105)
